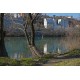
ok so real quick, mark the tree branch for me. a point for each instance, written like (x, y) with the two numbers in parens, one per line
(33, 19)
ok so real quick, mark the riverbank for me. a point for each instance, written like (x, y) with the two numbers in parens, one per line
(63, 62)
(71, 58)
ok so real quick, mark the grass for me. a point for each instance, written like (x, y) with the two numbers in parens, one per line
(69, 62)
(36, 61)
(71, 58)
(28, 62)
(74, 53)
(48, 56)
(5, 61)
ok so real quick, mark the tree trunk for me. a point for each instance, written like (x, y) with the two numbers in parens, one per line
(3, 52)
(32, 34)
(32, 46)
(34, 51)
(31, 37)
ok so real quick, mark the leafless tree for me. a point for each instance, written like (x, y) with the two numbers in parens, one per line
(3, 52)
(29, 20)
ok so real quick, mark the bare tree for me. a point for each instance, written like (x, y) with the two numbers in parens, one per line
(3, 52)
(29, 21)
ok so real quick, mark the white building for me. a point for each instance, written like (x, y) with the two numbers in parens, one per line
(59, 21)
(45, 23)
(15, 15)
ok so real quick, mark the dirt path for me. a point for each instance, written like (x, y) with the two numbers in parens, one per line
(53, 61)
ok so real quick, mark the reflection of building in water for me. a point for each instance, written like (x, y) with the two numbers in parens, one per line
(17, 56)
(59, 51)
(45, 48)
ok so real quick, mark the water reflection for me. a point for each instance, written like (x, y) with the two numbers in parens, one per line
(45, 48)
(17, 56)
(59, 51)
(17, 47)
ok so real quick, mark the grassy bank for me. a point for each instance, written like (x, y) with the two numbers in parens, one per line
(68, 62)
(4, 61)
(69, 58)
(72, 54)
(74, 59)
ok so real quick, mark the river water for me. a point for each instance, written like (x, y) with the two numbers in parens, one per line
(17, 46)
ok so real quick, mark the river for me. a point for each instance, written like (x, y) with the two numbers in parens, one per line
(17, 46)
